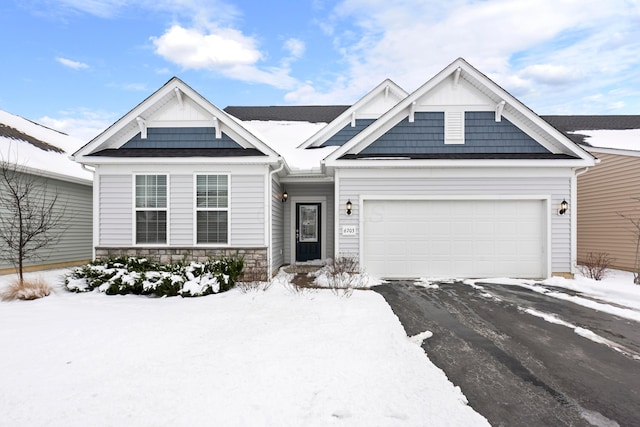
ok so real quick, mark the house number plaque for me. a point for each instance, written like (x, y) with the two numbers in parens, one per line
(349, 230)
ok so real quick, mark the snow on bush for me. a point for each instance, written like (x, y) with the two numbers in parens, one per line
(139, 276)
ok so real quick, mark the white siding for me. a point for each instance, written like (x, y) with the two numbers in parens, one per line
(277, 226)
(247, 213)
(247, 210)
(181, 210)
(555, 188)
(116, 222)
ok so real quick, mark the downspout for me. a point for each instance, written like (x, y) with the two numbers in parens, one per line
(269, 222)
(96, 206)
(574, 218)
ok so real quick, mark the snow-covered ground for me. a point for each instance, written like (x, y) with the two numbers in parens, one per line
(615, 294)
(272, 358)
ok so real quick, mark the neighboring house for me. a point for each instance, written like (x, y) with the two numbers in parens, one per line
(611, 189)
(457, 179)
(43, 155)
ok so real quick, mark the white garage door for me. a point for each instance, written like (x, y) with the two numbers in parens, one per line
(454, 238)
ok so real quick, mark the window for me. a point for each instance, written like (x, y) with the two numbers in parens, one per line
(212, 209)
(151, 209)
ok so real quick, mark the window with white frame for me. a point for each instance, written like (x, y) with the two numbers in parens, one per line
(212, 209)
(151, 209)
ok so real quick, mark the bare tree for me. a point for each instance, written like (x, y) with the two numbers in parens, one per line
(635, 226)
(31, 218)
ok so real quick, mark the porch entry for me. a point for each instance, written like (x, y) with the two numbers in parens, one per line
(308, 231)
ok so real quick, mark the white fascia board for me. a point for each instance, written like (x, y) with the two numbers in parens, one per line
(128, 117)
(454, 172)
(467, 163)
(343, 119)
(244, 137)
(514, 103)
(249, 160)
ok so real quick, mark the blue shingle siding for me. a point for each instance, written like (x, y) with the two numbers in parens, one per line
(198, 137)
(424, 135)
(486, 135)
(482, 135)
(348, 132)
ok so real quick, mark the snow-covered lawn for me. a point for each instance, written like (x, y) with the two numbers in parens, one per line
(272, 358)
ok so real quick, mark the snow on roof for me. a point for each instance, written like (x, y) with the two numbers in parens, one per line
(621, 139)
(285, 136)
(33, 146)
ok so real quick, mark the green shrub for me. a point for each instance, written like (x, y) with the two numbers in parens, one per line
(140, 276)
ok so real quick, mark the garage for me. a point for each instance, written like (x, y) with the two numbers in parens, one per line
(454, 238)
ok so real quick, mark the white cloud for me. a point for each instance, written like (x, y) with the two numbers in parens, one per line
(548, 51)
(72, 64)
(223, 50)
(295, 47)
(83, 124)
(192, 48)
(101, 8)
(551, 74)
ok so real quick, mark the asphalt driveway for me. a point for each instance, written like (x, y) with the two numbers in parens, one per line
(518, 369)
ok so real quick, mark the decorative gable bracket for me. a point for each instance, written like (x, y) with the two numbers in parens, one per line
(216, 125)
(142, 124)
(499, 108)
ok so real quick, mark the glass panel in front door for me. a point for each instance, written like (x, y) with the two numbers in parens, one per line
(308, 216)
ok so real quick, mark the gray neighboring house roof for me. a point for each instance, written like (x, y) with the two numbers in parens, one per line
(568, 124)
(288, 113)
(18, 135)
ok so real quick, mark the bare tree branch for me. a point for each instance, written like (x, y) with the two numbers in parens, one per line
(31, 216)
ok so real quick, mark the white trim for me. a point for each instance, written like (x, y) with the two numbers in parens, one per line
(196, 209)
(382, 90)
(135, 209)
(166, 93)
(546, 199)
(404, 162)
(336, 215)
(246, 160)
(474, 172)
(323, 223)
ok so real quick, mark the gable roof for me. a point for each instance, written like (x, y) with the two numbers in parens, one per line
(385, 95)
(548, 136)
(175, 91)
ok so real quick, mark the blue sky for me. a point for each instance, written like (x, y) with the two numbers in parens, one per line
(79, 65)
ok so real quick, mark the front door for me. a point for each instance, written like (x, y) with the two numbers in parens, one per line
(307, 231)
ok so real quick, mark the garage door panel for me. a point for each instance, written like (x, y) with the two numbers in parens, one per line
(454, 238)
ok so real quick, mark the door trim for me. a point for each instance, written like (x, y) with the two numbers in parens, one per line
(292, 224)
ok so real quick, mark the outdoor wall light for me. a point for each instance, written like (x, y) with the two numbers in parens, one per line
(349, 206)
(285, 196)
(564, 206)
